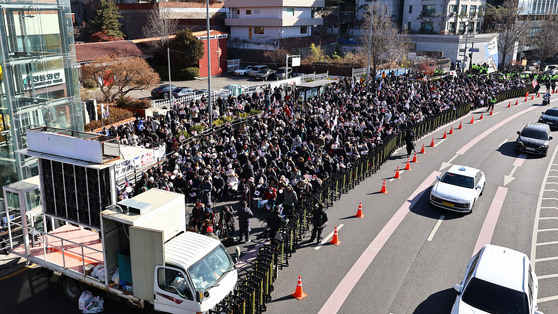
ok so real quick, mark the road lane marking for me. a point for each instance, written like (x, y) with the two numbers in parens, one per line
(448, 163)
(504, 142)
(547, 259)
(547, 276)
(326, 239)
(547, 243)
(516, 164)
(491, 219)
(495, 113)
(341, 292)
(435, 228)
(484, 134)
(440, 142)
(552, 298)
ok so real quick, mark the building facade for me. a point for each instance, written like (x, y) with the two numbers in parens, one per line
(39, 82)
(263, 24)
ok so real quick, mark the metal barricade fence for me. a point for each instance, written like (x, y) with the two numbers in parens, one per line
(254, 291)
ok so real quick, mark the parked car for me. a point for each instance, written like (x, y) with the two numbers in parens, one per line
(550, 117)
(497, 280)
(533, 139)
(458, 189)
(162, 91)
(265, 74)
(183, 91)
(281, 75)
(243, 71)
(257, 68)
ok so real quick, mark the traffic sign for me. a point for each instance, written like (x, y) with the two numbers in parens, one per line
(473, 49)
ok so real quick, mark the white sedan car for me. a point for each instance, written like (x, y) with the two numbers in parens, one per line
(458, 189)
(242, 71)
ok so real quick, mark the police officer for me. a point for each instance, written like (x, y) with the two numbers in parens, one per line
(319, 221)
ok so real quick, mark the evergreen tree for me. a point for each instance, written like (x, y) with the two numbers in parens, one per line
(106, 21)
(191, 49)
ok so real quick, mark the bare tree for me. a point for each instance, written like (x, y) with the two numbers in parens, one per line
(427, 18)
(160, 24)
(381, 40)
(544, 41)
(506, 20)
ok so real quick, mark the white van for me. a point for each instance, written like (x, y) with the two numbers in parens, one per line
(497, 280)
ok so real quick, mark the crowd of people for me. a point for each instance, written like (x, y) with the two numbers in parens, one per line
(292, 147)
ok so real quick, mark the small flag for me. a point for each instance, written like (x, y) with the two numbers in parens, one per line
(107, 114)
(102, 111)
(535, 83)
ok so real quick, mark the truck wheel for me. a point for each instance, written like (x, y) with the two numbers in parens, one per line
(71, 289)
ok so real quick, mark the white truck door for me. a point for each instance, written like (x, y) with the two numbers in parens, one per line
(173, 291)
(146, 251)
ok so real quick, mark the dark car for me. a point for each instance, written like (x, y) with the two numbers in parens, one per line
(550, 117)
(162, 91)
(280, 74)
(533, 139)
(264, 74)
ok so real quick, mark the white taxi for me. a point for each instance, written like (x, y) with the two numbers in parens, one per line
(458, 189)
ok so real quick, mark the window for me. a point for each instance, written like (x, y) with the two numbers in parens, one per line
(304, 29)
(471, 27)
(290, 11)
(409, 26)
(451, 27)
(256, 11)
(426, 27)
(453, 8)
(473, 10)
(410, 9)
(237, 12)
(172, 280)
(462, 27)
(428, 9)
(258, 30)
(248, 12)
(464, 8)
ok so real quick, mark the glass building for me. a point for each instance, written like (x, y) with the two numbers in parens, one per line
(39, 81)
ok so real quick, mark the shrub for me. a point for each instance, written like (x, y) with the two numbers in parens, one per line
(197, 128)
(190, 73)
(255, 111)
(116, 115)
(127, 102)
(89, 83)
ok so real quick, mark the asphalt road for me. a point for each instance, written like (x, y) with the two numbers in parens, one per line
(402, 257)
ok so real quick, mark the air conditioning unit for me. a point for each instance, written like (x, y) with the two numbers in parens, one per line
(134, 206)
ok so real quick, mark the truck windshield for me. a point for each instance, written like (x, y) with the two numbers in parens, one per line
(208, 271)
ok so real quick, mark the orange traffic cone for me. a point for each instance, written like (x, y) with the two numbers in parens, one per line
(509, 104)
(397, 176)
(460, 125)
(414, 158)
(538, 95)
(422, 151)
(383, 190)
(532, 97)
(552, 92)
(451, 130)
(472, 120)
(432, 143)
(299, 294)
(480, 117)
(526, 94)
(407, 165)
(359, 212)
(445, 135)
(335, 240)
(491, 112)
(516, 102)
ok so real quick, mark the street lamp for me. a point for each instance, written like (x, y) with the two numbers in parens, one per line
(210, 109)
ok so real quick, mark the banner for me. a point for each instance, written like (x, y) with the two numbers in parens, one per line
(491, 53)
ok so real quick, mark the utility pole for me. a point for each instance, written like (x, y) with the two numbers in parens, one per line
(209, 103)
(170, 85)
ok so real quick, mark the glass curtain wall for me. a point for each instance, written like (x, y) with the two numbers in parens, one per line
(39, 82)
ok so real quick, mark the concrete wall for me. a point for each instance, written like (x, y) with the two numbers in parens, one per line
(450, 45)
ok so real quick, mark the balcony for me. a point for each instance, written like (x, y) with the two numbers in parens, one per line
(274, 3)
(268, 22)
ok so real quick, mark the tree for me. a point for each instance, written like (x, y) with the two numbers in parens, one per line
(276, 57)
(544, 40)
(506, 21)
(116, 77)
(381, 40)
(191, 49)
(427, 18)
(106, 20)
(159, 24)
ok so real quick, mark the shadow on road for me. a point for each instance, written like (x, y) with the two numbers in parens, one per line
(423, 207)
(439, 302)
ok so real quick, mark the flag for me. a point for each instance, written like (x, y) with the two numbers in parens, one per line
(102, 111)
(106, 111)
(126, 182)
(534, 82)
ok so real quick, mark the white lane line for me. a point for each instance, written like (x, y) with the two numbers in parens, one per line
(547, 276)
(504, 142)
(552, 298)
(546, 230)
(400, 173)
(326, 239)
(549, 207)
(440, 142)
(546, 259)
(435, 228)
(495, 113)
(547, 243)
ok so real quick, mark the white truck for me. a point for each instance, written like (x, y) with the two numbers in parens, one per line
(143, 237)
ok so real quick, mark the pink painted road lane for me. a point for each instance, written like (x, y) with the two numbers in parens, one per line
(484, 134)
(333, 304)
(491, 219)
